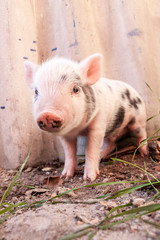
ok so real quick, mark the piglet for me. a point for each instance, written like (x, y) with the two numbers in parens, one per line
(71, 99)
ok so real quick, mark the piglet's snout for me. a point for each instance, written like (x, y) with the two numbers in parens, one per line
(49, 121)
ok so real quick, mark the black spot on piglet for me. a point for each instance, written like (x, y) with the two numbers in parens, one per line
(63, 78)
(132, 101)
(119, 117)
(117, 121)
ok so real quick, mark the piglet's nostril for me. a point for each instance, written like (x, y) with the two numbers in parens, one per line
(56, 124)
(41, 124)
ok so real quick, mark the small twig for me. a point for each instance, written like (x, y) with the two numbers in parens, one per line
(123, 151)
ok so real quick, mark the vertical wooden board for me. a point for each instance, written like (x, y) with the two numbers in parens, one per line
(18, 132)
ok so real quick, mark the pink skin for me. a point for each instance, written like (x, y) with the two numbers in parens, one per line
(91, 169)
(142, 135)
(61, 108)
(144, 148)
(70, 157)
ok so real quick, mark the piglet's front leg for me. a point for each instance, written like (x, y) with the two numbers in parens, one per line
(70, 148)
(95, 140)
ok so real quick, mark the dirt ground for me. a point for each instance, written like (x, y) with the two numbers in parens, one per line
(81, 207)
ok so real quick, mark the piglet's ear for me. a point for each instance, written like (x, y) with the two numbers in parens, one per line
(30, 69)
(91, 68)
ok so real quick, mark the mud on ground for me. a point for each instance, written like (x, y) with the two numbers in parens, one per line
(79, 208)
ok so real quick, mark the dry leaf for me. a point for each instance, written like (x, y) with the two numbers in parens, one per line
(36, 191)
(52, 182)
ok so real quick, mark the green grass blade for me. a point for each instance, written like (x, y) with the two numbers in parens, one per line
(148, 86)
(109, 225)
(91, 235)
(156, 115)
(7, 209)
(145, 209)
(8, 190)
(3, 204)
(77, 234)
(5, 218)
(113, 210)
(149, 138)
(145, 141)
(130, 214)
(129, 190)
(156, 225)
(133, 213)
(150, 180)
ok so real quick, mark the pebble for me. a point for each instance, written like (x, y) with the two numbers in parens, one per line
(134, 228)
(14, 188)
(79, 222)
(141, 175)
(108, 204)
(157, 217)
(112, 179)
(137, 202)
(63, 189)
(106, 190)
(94, 221)
(46, 169)
(72, 194)
(41, 179)
(12, 172)
(28, 198)
(19, 212)
(111, 174)
(105, 169)
(7, 178)
(105, 180)
(83, 219)
(54, 194)
(29, 169)
(80, 179)
(102, 209)
(21, 198)
(15, 200)
(120, 176)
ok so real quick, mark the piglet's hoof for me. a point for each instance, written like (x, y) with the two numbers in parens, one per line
(90, 174)
(144, 150)
(67, 173)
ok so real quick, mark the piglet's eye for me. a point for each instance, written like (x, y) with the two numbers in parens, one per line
(36, 92)
(76, 89)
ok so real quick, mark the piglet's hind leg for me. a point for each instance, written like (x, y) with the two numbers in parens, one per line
(143, 146)
(107, 148)
(140, 133)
